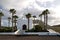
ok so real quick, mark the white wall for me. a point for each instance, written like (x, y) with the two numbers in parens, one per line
(22, 22)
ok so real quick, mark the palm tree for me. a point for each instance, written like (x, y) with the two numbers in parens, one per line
(15, 25)
(43, 13)
(34, 17)
(1, 14)
(28, 16)
(47, 12)
(15, 20)
(40, 16)
(9, 18)
(13, 11)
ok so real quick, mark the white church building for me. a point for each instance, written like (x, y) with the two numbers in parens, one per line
(32, 22)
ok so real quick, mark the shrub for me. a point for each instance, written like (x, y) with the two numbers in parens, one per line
(6, 29)
(38, 28)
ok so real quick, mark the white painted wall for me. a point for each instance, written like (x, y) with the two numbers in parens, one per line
(22, 22)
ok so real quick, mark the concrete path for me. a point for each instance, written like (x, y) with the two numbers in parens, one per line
(52, 32)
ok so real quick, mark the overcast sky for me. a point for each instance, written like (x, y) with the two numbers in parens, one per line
(35, 7)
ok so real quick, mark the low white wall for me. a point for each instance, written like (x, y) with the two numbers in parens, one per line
(38, 33)
(22, 32)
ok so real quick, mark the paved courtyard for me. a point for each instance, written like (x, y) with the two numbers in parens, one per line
(12, 37)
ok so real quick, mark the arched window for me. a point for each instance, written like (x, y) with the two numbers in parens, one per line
(24, 27)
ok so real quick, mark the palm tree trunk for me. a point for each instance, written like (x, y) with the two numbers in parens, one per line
(12, 22)
(44, 22)
(9, 23)
(28, 23)
(15, 25)
(0, 21)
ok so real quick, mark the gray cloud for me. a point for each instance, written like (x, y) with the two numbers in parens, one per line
(24, 6)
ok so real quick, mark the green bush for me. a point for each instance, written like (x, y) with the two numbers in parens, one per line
(38, 28)
(6, 29)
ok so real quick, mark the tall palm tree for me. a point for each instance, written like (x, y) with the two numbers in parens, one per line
(47, 12)
(28, 16)
(13, 11)
(15, 25)
(43, 13)
(9, 18)
(1, 14)
(34, 17)
(40, 16)
(15, 20)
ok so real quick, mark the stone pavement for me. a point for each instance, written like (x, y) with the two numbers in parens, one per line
(29, 37)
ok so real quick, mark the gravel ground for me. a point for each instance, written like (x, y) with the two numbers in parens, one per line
(29, 37)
